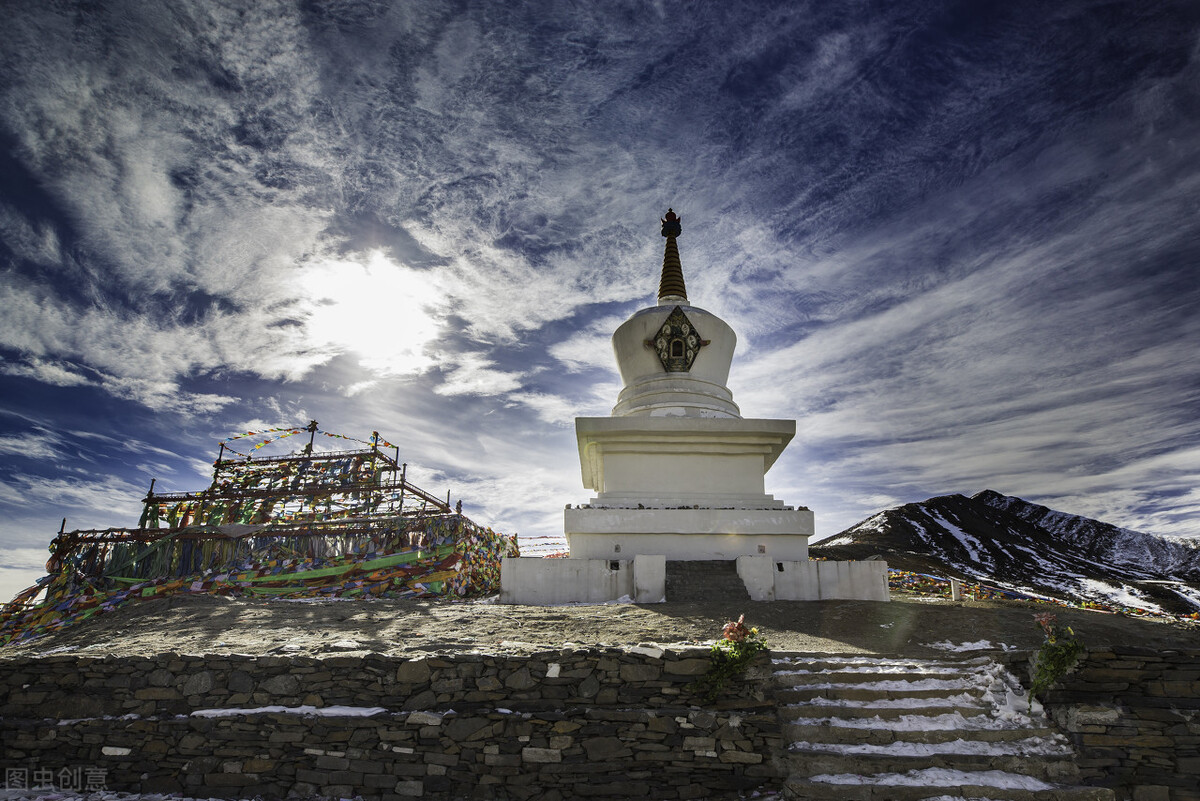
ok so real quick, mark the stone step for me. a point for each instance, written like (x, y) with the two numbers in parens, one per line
(917, 680)
(822, 730)
(876, 665)
(887, 709)
(798, 789)
(817, 760)
(796, 678)
(881, 691)
(889, 729)
(704, 580)
(1060, 768)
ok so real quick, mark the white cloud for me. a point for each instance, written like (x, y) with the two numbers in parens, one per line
(58, 374)
(590, 347)
(24, 558)
(14, 580)
(473, 375)
(37, 242)
(41, 444)
(554, 409)
(96, 496)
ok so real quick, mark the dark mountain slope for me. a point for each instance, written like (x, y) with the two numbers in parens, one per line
(1103, 541)
(1012, 543)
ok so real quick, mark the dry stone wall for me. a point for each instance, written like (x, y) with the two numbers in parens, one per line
(1134, 716)
(576, 723)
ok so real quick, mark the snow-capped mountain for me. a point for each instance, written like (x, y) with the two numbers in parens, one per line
(1104, 541)
(1012, 543)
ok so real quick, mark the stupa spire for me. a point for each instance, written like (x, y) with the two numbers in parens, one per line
(671, 288)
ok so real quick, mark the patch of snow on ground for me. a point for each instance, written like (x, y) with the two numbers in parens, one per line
(987, 685)
(1038, 559)
(884, 662)
(73, 721)
(624, 599)
(973, 546)
(876, 523)
(951, 721)
(980, 645)
(1125, 596)
(891, 685)
(324, 711)
(1030, 746)
(959, 700)
(929, 670)
(1190, 596)
(940, 777)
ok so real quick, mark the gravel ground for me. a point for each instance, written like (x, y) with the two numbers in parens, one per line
(908, 625)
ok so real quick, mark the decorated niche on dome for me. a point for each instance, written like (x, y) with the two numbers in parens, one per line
(677, 342)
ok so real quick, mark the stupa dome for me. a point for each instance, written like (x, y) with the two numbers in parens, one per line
(674, 358)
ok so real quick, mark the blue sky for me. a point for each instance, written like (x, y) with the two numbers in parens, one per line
(958, 242)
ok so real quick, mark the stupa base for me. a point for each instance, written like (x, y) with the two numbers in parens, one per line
(688, 534)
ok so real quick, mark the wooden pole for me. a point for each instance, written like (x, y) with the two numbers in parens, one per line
(403, 480)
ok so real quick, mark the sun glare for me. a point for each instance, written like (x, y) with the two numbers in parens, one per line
(384, 312)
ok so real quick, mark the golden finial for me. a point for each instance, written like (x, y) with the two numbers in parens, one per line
(671, 288)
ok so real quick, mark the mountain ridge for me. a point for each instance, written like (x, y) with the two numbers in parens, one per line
(1014, 544)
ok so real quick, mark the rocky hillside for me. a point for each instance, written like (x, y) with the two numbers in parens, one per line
(1009, 542)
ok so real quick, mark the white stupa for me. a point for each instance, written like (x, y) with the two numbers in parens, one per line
(676, 469)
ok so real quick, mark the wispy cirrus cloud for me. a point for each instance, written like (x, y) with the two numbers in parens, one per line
(954, 249)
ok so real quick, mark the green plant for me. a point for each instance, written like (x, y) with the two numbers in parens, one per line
(1059, 652)
(730, 655)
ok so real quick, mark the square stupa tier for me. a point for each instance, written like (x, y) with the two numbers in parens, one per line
(691, 488)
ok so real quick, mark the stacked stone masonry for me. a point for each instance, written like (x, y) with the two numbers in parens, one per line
(558, 725)
(1134, 716)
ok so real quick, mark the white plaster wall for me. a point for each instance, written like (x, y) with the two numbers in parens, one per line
(667, 473)
(864, 581)
(530, 580)
(797, 581)
(534, 581)
(687, 547)
(758, 574)
(622, 521)
(649, 579)
(822, 581)
(656, 456)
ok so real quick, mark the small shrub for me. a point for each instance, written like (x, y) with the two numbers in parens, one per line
(730, 655)
(1058, 654)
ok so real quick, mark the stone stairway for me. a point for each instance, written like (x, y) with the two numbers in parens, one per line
(705, 581)
(867, 728)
